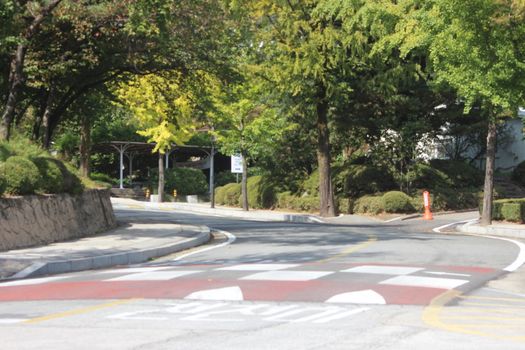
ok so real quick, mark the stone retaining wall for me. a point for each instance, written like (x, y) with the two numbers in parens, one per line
(38, 220)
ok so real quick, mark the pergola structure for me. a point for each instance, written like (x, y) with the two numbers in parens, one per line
(130, 149)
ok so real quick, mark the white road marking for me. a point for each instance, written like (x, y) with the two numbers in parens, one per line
(516, 264)
(447, 274)
(287, 275)
(359, 297)
(213, 311)
(426, 282)
(133, 270)
(257, 267)
(228, 293)
(33, 281)
(231, 239)
(384, 270)
(12, 320)
(153, 276)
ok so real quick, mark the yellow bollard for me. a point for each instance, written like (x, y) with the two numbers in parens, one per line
(147, 193)
(174, 193)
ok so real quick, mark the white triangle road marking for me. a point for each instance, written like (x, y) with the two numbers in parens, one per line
(359, 297)
(228, 293)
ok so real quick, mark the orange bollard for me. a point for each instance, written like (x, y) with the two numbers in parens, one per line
(426, 200)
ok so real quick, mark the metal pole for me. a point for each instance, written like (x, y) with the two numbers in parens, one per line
(212, 177)
(167, 159)
(130, 157)
(121, 150)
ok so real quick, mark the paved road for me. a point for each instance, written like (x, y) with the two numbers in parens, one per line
(343, 285)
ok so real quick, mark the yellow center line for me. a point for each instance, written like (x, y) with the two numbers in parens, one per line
(503, 306)
(522, 300)
(79, 311)
(350, 250)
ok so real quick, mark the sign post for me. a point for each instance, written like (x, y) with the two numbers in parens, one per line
(236, 164)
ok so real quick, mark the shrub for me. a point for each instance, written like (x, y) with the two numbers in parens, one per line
(219, 195)
(21, 175)
(261, 193)
(232, 194)
(100, 177)
(424, 176)
(306, 203)
(224, 178)
(508, 209)
(19, 146)
(186, 181)
(513, 212)
(345, 205)
(3, 182)
(369, 204)
(285, 200)
(72, 182)
(51, 179)
(311, 185)
(366, 179)
(460, 174)
(397, 202)
(518, 174)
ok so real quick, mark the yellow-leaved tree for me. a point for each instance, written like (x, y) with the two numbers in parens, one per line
(162, 106)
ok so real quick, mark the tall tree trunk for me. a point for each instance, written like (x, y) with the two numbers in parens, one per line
(486, 215)
(47, 121)
(326, 194)
(161, 178)
(244, 183)
(85, 146)
(16, 77)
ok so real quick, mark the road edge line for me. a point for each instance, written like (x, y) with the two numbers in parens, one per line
(231, 239)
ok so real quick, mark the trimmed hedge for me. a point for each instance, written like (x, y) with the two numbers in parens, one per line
(369, 205)
(509, 209)
(21, 175)
(219, 195)
(365, 179)
(397, 202)
(186, 181)
(232, 194)
(286, 200)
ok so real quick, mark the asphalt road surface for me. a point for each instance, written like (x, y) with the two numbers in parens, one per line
(350, 284)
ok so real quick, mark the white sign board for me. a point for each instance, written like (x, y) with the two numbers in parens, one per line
(236, 162)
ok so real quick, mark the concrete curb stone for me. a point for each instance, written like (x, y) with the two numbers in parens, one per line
(493, 230)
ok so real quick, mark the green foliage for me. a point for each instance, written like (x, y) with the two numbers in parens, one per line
(19, 146)
(345, 205)
(67, 143)
(102, 178)
(366, 179)
(509, 209)
(397, 202)
(224, 177)
(423, 176)
(51, 179)
(186, 181)
(286, 200)
(261, 193)
(518, 174)
(369, 205)
(232, 194)
(311, 184)
(461, 174)
(21, 175)
(3, 181)
(220, 194)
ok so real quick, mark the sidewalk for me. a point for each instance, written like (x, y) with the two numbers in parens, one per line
(496, 229)
(131, 243)
(204, 208)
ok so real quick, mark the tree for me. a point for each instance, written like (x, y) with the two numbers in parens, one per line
(162, 107)
(478, 48)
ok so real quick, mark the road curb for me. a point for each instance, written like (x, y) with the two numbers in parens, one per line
(109, 260)
(249, 215)
(472, 227)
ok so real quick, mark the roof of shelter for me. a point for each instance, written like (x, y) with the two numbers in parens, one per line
(145, 147)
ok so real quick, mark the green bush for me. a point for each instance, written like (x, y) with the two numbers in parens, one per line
(261, 193)
(72, 181)
(366, 179)
(508, 209)
(369, 205)
(460, 174)
(3, 182)
(285, 200)
(232, 194)
(219, 195)
(514, 212)
(51, 178)
(345, 205)
(310, 186)
(19, 146)
(518, 174)
(424, 176)
(397, 202)
(186, 181)
(100, 177)
(21, 175)
(224, 178)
